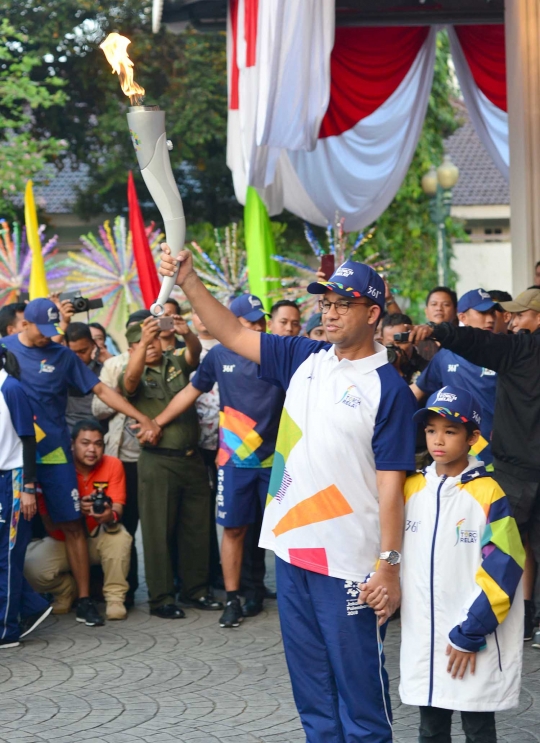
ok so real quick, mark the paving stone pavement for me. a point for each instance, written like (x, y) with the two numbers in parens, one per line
(159, 681)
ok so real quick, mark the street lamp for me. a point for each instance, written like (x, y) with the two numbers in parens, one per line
(438, 184)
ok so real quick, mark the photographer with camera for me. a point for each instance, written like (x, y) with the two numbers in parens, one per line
(172, 325)
(102, 490)
(79, 340)
(402, 354)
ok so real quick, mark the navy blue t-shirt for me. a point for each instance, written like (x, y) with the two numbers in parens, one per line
(250, 408)
(46, 374)
(446, 368)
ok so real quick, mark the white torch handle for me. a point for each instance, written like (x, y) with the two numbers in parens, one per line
(148, 134)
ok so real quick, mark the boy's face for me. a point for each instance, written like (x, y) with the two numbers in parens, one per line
(448, 441)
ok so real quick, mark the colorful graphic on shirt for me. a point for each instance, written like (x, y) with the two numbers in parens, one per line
(327, 504)
(479, 447)
(309, 558)
(40, 433)
(238, 439)
(458, 529)
(17, 485)
(57, 456)
(289, 435)
(350, 398)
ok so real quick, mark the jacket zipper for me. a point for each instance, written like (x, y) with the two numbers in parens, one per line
(498, 650)
(432, 597)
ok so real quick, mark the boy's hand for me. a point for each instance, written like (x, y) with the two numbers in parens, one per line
(388, 598)
(458, 662)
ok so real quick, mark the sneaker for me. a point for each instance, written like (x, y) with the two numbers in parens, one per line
(88, 613)
(252, 607)
(5, 644)
(536, 639)
(529, 621)
(232, 616)
(116, 610)
(29, 624)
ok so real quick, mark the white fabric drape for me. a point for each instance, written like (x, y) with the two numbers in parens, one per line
(490, 122)
(359, 172)
(294, 47)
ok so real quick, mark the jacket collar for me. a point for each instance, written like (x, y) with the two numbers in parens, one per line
(474, 470)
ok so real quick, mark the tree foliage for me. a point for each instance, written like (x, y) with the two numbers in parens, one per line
(185, 74)
(22, 99)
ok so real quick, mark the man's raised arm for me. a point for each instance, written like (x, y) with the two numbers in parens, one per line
(220, 322)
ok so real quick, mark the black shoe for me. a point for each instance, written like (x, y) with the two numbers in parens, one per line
(529, 621)
(268, 594)
(232, 616)
(29, 624)
(206, 603)
(129, 601)
(252, 607)
(88, 613)
(536, 639)
(6, 644)
(168, 611)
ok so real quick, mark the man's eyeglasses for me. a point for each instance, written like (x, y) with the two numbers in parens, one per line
(342, 305)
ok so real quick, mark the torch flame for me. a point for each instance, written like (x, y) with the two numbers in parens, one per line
(115, 49)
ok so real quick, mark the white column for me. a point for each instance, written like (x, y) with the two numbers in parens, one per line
(522, 23)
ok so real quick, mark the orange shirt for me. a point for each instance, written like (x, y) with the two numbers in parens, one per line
(109, 475)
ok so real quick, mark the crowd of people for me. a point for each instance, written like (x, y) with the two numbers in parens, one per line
(383, 463)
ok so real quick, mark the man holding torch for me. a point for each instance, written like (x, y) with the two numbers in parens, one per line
(334, 511)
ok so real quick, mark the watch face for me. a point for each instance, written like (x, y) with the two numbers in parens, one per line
(393, 557)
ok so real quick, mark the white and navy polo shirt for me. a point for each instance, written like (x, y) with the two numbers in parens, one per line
(16, 420)
(342, 421)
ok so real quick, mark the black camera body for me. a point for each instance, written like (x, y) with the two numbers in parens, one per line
(80, 303)
(100, 500)
(395, 353)
(402, 337)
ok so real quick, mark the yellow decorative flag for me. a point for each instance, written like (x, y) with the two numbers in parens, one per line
(38, 279)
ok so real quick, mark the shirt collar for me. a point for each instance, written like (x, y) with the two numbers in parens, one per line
(363, 366)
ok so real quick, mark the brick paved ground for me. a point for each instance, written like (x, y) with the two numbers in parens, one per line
(159, 681)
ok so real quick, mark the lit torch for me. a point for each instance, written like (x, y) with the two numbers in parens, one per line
(147, 129)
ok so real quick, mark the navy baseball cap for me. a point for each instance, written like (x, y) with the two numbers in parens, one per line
(353, 279)
(315, 321)
(44, 314)
(454, 403)
(248, 306)
(476, 299)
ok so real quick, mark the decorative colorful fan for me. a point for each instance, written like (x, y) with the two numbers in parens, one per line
(342, 245)
(105, 268)
(228, 279)
(16, 260)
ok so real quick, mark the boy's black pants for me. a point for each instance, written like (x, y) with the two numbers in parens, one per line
(435, 726)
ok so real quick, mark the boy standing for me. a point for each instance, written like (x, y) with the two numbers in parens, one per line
(462, 565)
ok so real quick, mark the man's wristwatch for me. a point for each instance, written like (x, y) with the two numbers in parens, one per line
(392, 557)
(29, 490)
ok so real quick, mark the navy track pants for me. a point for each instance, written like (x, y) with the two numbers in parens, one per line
(17, 598)
(333, 648)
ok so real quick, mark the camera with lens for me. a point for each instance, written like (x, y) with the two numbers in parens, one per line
(100, 500)
(395, 353)
(80, 303)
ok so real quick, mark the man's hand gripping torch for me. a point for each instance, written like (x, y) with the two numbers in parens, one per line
(147, 129)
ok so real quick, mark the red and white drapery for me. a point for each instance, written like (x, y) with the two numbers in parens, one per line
(480, 61)
(325, 120)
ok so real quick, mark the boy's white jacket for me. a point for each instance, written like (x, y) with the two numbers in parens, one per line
(461, 578)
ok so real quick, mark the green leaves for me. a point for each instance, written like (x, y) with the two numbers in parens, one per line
(22, 155)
